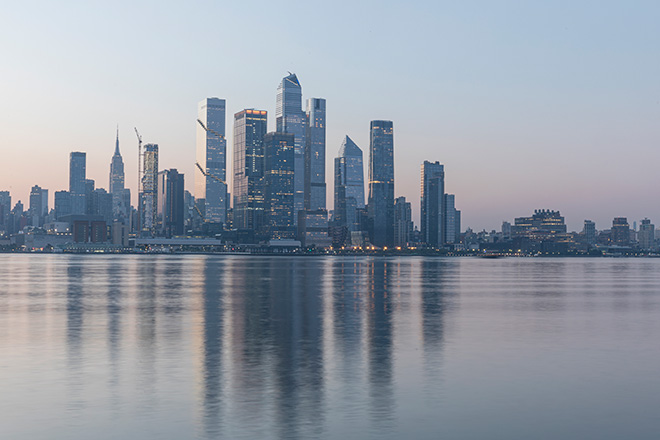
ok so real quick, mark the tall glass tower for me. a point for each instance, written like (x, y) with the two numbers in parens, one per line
(249, 131)
(381, 183)
(210, 176)
(315, 190)
(433, 204)
(279, 185)
(78, 182)
(349, 184)
(290, 118)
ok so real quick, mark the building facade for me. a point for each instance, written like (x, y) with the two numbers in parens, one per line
(149, 193)
(381, 183)
(315, 186)
(211, 165)
(171, 208)
(279, 185)
(403, 225)
(290, 118)
(250, 127)
(433, 204)
(349, 185)
(78, 181)
(121, 203)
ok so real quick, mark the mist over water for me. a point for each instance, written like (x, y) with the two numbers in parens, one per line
(206, 347)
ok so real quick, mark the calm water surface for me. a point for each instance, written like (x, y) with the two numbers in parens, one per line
(207, 347)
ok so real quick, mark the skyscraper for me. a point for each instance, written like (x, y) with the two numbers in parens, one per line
(452, 220)
(62, 204)
(249, 131)
(171, 209)
(315, 188)
(38, 205)
(381, 183)
(403, 225)
(433, 204)
(77, 182)
(5, 209)
(119, 207)
(349, 184)
(279, 185)
(646, 235)
(289, 118)
(149, 193)
(620, 231)
(210, 176)
(589, 232)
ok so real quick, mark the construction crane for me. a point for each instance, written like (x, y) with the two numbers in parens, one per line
(206, 174)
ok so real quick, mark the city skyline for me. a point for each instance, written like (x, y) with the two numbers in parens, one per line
(579, 95)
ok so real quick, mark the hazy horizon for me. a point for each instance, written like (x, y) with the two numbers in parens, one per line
(528, 106)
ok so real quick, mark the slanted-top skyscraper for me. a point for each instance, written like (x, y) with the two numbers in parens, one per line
(289, 118)
(381, 183)
(210, 176)
(315, 192)
(349, 184)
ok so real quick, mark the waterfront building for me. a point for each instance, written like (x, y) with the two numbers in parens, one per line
(646, 235)
(149, 193)
(290, 118)
(171, 208)
(38, 206)
(543, 222)
(210, 175)
(349, 185)
(62, 204)
(452, 220)
(313, 228)
(77, 182)
(506, 230)
(589, 232)
(279, 187)
(381, 183)
(315, 187)
(433, 204)
(120, 207)
(403, 225)
(101, 204)
(5, 209)
(620, 231)
(250, 127)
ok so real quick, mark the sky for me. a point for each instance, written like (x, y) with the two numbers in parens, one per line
(528, 104)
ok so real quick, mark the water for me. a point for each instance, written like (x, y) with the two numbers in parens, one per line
(206, 347)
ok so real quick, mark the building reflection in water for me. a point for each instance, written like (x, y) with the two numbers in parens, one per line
(263, 353)
(434, 304)
(211, 276)
(74, 333)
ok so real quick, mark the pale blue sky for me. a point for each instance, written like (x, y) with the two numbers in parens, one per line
(528, 104)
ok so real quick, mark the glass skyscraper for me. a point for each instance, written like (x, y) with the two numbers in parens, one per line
(315, 189)
(381, 183)
(78, 182)
(210, 175)
(433, 204)
(290, 118)
(349, 184)
(170, 203)
(279, 185)
(249, 131)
